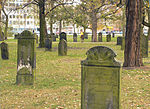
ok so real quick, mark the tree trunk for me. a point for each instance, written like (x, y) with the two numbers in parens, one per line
(6, 28)
(148, 11)
(132, 54)
(60, 26)
(1, 35)
(51, 17)
(94, 26)
(43, 29)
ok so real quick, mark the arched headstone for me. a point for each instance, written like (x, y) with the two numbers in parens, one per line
(100, 79)
(100, 37)
(63, 35)
(26, 60)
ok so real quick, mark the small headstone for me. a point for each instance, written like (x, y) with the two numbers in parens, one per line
(85, 36)
(74, 37)
(54, 37)
(144, 46)
(48, 43)
(108, 37)
(113, 34)
(26, 60)
(63, 35)
(4, 51)
(62, 47)
(119, 40)
(100, 79)
(100, 37)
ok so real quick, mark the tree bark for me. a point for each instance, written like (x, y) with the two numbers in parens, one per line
(1, 35)
(6, 28)
(132, 54)
(51, 17)
(43, 29)
(148, 11)
(60, 26)
(94, 26)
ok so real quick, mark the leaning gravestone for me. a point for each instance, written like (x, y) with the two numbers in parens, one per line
(108, 37)
(4, 51)
(63, 35)
(62, 47)
(26, 62)
(100, 37)
(119, 40)
(75, 37)
(100, 79)
(48, 43)
(144, 46)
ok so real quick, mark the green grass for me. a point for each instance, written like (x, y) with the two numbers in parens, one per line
(58, 79)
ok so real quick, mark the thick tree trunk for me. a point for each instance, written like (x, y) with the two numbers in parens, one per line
(60, 26)
(148, 11)
(43, 29)
(94, 26)
(132, 54)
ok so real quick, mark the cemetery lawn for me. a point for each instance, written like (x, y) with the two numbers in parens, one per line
(58, 79)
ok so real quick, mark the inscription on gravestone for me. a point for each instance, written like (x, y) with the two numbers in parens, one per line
(4, 51)
(26, 59)
(100, 79)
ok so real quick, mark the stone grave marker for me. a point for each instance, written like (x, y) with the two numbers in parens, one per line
(62, 47)
(48, 43)
(113, 34)
(54, 37)
(119, 40)
(26, 60)
(108, 37)
(144, 46)
(100, 37)
(100, 79)
(75, 37)
(4, 51)
(63, 35)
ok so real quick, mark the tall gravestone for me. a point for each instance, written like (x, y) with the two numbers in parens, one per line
(100, 37)
(144, 46)
(48, 42)
(75, 37)
(100, 79)
(4, 51)
(119, 40)
(26, 60)
(108, 37)
(63, 35)
(62, 47)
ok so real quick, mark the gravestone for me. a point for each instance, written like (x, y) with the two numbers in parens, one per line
(100, 79)
(26, 60)
(63, 35)
(85, 35)
(48, 43)
(100, 37)
(16, 36)
(113, 35)
(123, 43)
(108, 37)
(75, 37)
(144, 46)
(54, 37)
(62, 47)
(4, 51)
(119, 40)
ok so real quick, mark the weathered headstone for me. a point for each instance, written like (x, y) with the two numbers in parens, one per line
(108, 37)
(4, 51)
(54, 37)
(144, 46)
(48, 43)
(63, 35)
(123, 43)
(119, 40)
(85, 35)
(100, 79)
(100, 37)
(62, 47)
(26, 60)
(75, 37)
(113, 34)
